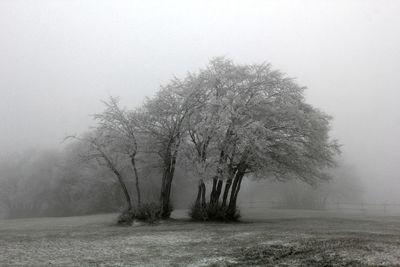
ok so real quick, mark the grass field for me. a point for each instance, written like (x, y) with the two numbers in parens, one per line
(267, 238)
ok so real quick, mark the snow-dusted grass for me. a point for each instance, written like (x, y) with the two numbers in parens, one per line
(272, 238)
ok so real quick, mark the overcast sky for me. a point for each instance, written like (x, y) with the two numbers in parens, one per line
(58, 59)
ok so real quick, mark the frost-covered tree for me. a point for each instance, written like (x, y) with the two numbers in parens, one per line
(163, 120)
(254, 120)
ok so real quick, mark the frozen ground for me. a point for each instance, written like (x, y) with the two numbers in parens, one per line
(269, 238)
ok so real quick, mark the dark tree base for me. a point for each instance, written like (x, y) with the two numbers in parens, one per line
(148, 212)
(213, 212)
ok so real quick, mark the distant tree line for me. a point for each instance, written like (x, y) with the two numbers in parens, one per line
(54, 183)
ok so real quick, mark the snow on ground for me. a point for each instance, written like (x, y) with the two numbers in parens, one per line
(269, 238)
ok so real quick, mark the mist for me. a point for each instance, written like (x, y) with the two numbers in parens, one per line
(59, 59)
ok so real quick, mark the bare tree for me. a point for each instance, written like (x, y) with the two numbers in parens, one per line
(120, 123)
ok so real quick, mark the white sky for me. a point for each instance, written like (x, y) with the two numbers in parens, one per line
(58, 58)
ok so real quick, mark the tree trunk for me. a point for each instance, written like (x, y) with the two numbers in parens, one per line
(197, 203)
(226, 191)
(168, 186)
(213, 191)
(235, 190)
(218, 192)
(163, 191)
(120, 180)
(137, 179)
(168, 175)
(124, 189)
(203, 194)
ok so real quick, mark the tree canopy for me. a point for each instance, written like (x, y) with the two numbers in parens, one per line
(255, 120)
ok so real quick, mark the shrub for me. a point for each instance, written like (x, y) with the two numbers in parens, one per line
(213, 213)
(198, 213)
(126, 218)
(149, 212)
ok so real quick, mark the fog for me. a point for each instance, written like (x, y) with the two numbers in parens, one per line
(58, 59)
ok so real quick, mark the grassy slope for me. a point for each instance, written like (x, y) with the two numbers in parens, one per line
(283, 238)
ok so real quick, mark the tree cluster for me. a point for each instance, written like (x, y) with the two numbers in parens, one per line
(221, 124)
